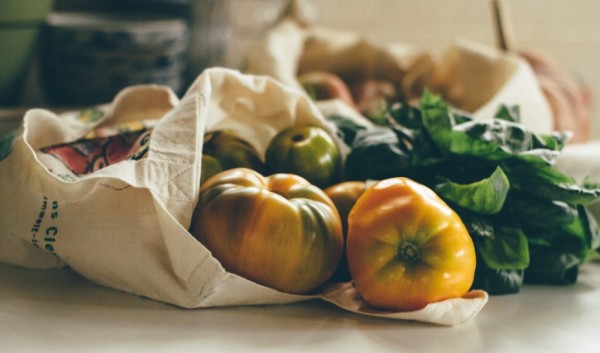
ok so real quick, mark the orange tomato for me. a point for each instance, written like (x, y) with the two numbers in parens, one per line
(406, 248)
(344, 195)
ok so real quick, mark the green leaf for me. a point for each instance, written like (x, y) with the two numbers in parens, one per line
(376, 153)
(497, 282)
(558, 260)
(572, 241)
(437, 120)
(506, 250)
(495, 139)
(407, 116)
(477, 225)
(507, 113)
(485, 196)
(346, 128)
(500, 139)
(539, 156)
(592, 256)
(544, 181)
(540, 212)
(552, 266)
(593, 228)
(407, 122)
(583, 233)
(570, 193)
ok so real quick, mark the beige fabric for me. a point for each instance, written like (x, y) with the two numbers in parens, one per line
(125, 226)
(471, 76)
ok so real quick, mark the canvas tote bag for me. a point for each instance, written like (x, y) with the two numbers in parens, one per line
(124, 224)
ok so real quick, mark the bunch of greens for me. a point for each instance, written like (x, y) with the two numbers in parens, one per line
(528, 220)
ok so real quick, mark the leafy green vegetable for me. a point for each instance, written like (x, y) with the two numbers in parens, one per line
(485, 196)
(509, 113)
(552, 266)
(477, 225)
(346, 128)
(547, 182)
(557, 252)
(506, 250)
(377, 153)
(527, 219)
(438, 121)
(406, 121)
(494, 139)
(594, 253)
(498, 281)
(527, 208)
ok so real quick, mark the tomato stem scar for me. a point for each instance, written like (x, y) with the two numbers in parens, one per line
(408, 251)
(297, 137)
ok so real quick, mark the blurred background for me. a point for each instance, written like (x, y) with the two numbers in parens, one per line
(63, 53)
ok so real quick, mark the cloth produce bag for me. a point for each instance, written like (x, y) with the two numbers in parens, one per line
(120, 218)
(471, 76)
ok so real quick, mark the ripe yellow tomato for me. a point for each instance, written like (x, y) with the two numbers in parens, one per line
(406, 248)
(279, 231)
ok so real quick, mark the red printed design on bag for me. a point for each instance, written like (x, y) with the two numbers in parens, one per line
(89, 155)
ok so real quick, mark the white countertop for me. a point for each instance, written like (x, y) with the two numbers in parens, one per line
(58, 311)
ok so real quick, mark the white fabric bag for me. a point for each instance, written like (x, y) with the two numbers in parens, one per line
(471, 76)
(124, 226)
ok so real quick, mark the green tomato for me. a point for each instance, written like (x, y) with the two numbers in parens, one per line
(231, 151)
(307, 151)
(209, 168)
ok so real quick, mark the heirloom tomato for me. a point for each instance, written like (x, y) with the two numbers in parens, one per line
(279, 231)
(344, 195)
(308, 151)
(231, 150)
(210, 167)
(407, 248)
